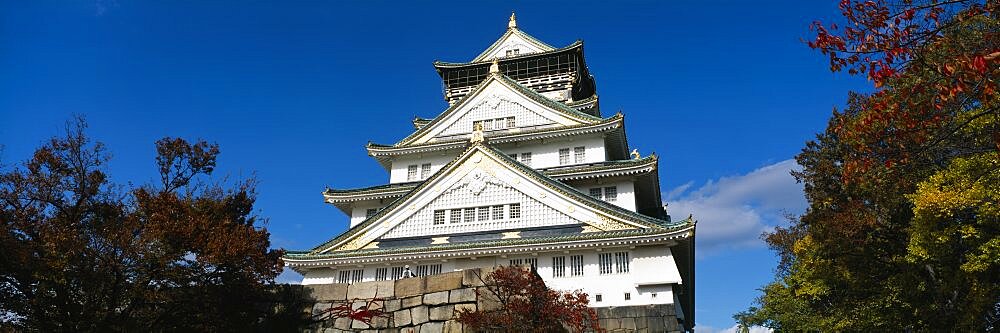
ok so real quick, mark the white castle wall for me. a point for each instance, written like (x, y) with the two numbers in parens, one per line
(652, 271)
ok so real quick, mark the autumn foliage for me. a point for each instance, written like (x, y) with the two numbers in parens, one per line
(902, 232)
(82, 254)
(515, 299)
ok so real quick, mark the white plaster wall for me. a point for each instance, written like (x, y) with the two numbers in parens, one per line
(543, 155)
(653, 266)
(626, 193)
(398, 172)
(359, 211)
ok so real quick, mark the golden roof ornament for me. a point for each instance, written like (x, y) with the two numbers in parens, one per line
(512, 24)
(495, 66)
(477, 133)
(635, 154)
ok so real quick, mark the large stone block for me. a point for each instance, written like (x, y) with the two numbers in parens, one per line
(380, 322)
(628, 323)
(452, 326)
(391, 305)
(462, 295)
(473, 277)
(432, 327)
(320, 308)
(486, 300)
(370, 290)
(437, 298)
(419, 315)
(442, 282)
(401, 318)
(327, 292)
(359, 325)
(343, 323)
(443, 312)
(465, 306)
(410, 302)
(410, 287)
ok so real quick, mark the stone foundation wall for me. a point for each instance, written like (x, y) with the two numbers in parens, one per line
(429, 304)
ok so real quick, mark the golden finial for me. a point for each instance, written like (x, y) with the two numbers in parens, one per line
(495, 66)
(512, 24)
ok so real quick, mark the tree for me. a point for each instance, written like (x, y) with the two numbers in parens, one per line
(81, 253)
(515, 299)
(901, 232)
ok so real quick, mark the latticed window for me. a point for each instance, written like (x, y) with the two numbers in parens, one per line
(438, 217)
(576, 265)
(397, 272)
(604, 263)
(370, 212)
(515, 211)
(424, 270)
(498, 212)
(356, 275)
(526, 159)
(564, 156)
(610, 194)
(598, 298)
(516, 262)
(411, 172)
(510, 122)
(470, 214)
(344, 277)
(621, 262)
(596, 193)
(484, 213)
(425, 171)
(381, 273)
(628, 296)
(456, 216)
(533, 262)
(350, 276)
(558, 266)
(579, 154)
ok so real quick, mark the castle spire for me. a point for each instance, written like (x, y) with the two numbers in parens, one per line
(512, 24)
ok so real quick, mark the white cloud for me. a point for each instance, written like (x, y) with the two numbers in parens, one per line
(734, 329)
(732, 212)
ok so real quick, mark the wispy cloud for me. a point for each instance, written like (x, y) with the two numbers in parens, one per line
(732, 212)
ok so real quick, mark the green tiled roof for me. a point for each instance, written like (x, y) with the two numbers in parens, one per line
(445, 64)
(489, 243)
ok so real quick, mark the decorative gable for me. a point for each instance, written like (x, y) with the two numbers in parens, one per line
(513, 44)
(501, 104)
(485, 178)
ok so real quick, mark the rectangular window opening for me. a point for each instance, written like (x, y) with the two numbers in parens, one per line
(558, 266)
(564, 156)
(610, 194)
(425, 171)
(579, 154)
(438, 217)
(515, 211)
(411, 172)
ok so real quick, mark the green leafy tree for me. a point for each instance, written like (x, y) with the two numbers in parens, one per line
(82, 254)
(902, 231)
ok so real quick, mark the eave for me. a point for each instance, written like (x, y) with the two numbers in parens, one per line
(344, 197)
(631, 237)
(566, 49)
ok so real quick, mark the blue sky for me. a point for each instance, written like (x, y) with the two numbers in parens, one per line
(725, 92)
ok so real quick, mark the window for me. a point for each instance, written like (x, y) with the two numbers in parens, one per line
(621, 262)
(526, 262)
(470, 214)
(498, 212)
(411, 172)
(477, 124)
(579, 154)
(610, 194)
(424, 270)
(513, 52)
(598, 298)
(653, 295)
(513, 157)
(350, 276)
(576, 265)
(456, 216)
(515, 211)
(564, 156)
(596, 193)
(604, 262)
(397, 272)
(487, 124)
(425, 170)
(558, 266)
(438, 217)
(516, 262)
(510, 122)
(370, 212)
(382, 274)
(628, 296)
(533, 262)
(494, 124)
(484, 213)
(526, 159)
